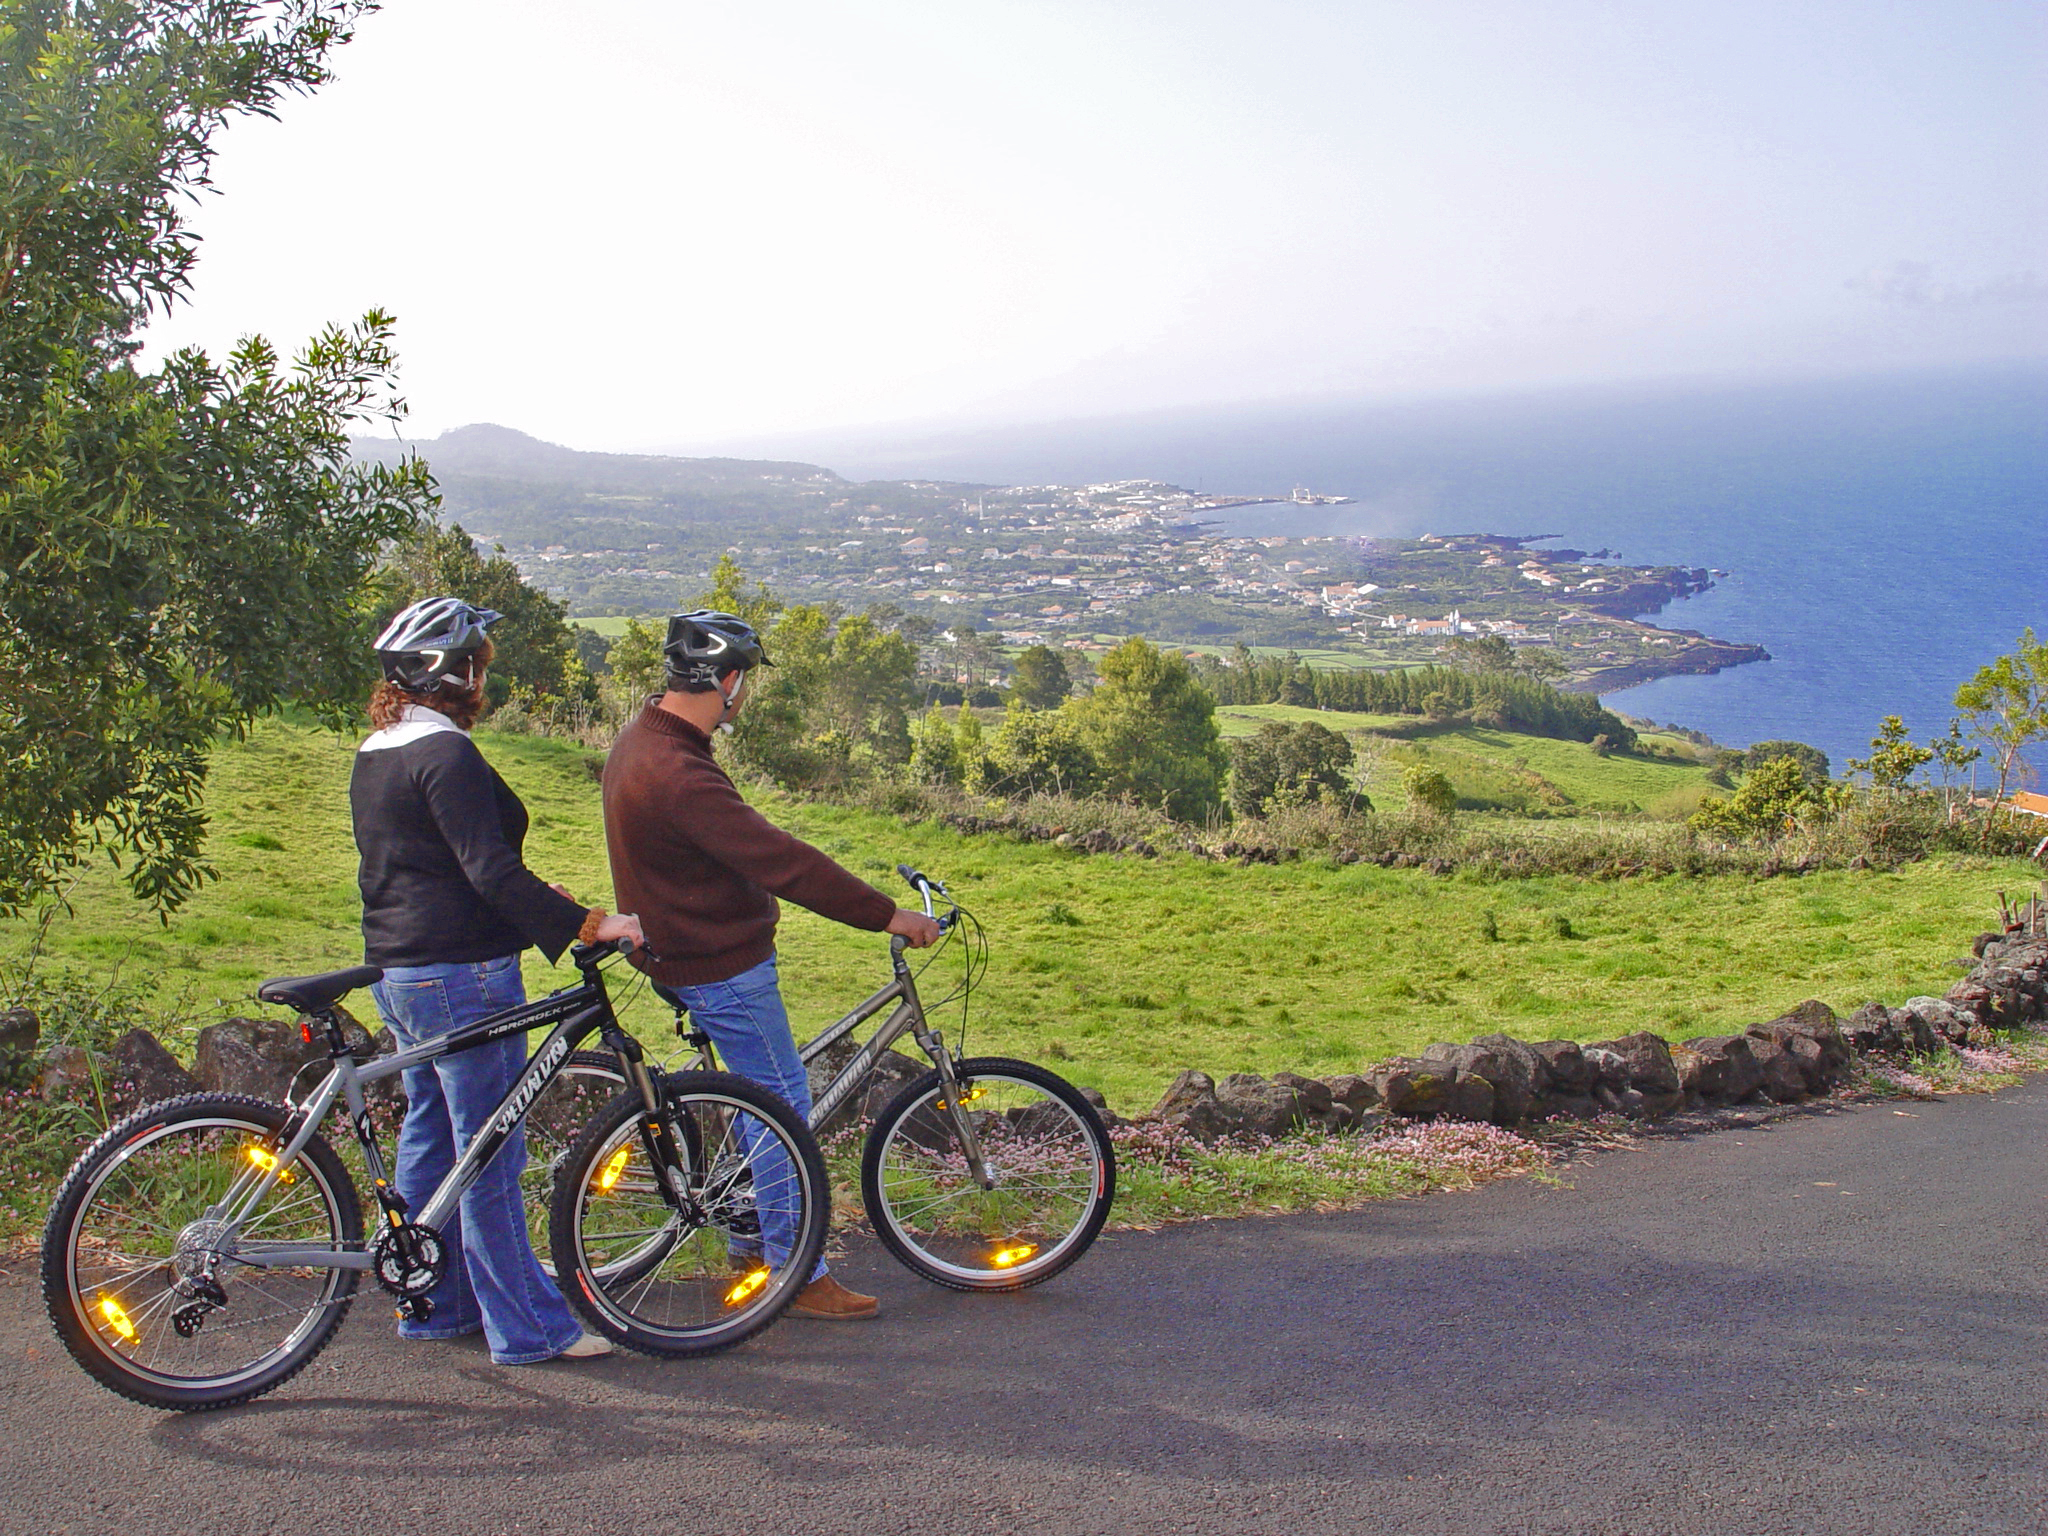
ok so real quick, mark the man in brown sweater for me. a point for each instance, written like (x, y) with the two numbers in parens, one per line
(702, 868)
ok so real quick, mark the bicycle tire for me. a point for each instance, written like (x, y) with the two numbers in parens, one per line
(150, 1289)
(676, 1290)
(972, 1239)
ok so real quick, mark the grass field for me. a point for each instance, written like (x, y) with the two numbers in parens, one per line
(1498, 769)
(612, 626)
(1118, 971)
(1322, 661)
(1243, 719)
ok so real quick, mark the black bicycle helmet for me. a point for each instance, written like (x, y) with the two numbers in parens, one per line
(704, 644)
(432, 641)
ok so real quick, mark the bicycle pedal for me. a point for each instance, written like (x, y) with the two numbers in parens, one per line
(414, 1309)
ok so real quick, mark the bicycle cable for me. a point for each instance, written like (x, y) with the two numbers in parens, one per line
(966, 927)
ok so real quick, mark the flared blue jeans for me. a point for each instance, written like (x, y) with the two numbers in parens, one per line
(494, 1282)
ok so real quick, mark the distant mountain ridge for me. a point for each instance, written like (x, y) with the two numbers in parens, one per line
(633, 533)
(485, 450)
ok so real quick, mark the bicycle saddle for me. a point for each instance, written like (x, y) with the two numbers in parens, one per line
(314, 994)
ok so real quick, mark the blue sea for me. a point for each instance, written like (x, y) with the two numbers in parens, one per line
(1883, 538)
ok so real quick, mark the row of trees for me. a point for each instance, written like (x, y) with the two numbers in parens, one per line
(853, 696)
(1486, 688)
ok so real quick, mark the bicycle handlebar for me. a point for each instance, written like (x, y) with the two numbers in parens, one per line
(587, 955)
(926, 887)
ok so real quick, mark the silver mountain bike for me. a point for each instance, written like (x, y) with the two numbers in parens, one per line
(204, 1250)
(984, 1174)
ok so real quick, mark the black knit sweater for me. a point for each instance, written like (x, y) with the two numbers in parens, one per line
(440, 835)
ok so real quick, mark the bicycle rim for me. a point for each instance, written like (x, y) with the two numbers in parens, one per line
(163, 1299)
(691, 1276)
(1051, 1177)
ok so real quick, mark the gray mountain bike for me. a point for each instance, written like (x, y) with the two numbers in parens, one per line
(984, 1174)
(205, 1249)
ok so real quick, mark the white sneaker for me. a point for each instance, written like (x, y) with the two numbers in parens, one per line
(589, 1347)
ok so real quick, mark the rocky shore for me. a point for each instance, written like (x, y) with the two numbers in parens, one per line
(1698, 656)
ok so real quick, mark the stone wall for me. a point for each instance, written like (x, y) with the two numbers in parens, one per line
(1497, 1078)
(1800, 1054)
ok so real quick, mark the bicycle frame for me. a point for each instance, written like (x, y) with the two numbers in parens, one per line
(575, 1012)
(908, 1018)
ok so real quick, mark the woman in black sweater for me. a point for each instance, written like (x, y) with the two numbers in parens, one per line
(448, 905)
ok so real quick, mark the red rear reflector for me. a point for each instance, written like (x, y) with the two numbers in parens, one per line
(306, 1032)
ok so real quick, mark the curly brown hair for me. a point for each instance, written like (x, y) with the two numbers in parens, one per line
(462, 705)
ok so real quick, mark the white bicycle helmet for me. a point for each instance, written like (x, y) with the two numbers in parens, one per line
(432, 641)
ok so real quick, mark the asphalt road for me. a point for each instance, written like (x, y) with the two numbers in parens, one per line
(1831, 1324)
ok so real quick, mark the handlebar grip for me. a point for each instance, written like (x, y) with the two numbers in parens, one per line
(916, 879)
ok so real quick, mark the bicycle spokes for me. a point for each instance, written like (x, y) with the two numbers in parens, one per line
(677, 1252)
(162, 1259)
(999, 1187)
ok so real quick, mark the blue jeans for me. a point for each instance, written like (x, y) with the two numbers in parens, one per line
(493, 1280)
(745, 1019)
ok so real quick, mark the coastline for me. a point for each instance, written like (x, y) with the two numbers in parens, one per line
(1702, 658)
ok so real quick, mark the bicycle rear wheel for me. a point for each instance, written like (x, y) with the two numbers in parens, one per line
(152, 1256)
(1051, 1177)
(682, 1258)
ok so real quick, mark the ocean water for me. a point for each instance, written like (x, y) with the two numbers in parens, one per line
(1883, 538)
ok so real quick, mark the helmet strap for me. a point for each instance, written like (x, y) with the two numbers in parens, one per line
(729, 694)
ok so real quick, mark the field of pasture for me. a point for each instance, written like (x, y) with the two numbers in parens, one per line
(1500, 770)
(1118, 970)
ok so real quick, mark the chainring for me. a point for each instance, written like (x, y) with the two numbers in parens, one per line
(409, 1260)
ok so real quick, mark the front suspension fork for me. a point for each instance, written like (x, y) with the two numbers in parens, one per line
(963, 1123)
(655, 1136)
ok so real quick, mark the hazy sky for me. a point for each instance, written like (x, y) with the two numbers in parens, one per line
(671, 223)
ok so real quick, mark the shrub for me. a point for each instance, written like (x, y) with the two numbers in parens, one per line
(1037, 751)
(1152, 728)
(1429, 789)
(1288, 765)
(1813, 763)
(1039, 677)
(935, 750)
(1772, 800)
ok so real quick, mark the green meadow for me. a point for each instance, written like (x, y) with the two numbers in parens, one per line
(1500, 770)
(612, 626)
(1119, 971)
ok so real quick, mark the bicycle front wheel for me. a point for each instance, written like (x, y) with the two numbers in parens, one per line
(691, 1242)
(156, 1267)
(1045, 1186)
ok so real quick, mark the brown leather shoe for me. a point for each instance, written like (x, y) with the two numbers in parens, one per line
(826, 1298)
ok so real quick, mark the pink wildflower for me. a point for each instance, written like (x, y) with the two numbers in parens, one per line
(1900, 1078)
(1988, 1059)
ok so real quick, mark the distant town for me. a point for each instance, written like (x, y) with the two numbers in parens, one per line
(1076, 565)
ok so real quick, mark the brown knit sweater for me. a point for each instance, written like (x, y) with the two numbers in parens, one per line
(700, 866)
